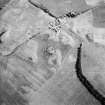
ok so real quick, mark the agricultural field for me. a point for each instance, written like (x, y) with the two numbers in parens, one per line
(52, 52)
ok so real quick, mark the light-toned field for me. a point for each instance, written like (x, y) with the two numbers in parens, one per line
(29, 75)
